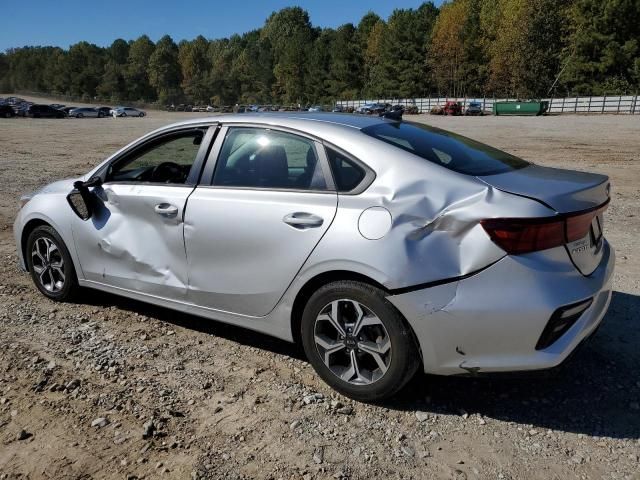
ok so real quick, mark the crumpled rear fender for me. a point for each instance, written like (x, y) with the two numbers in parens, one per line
(433, 233)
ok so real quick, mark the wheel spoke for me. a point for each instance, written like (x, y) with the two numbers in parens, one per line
(53, 280)
(51, 249)
(381, 347)
(350, 371)
(356, 368)
(333, 318)
(38, 269)
(41, 275)
(365, 321)
(38, 250)
(330, 346)
(376, 353)
(60, 272)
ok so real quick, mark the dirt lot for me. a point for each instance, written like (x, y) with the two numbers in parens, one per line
(111, 388)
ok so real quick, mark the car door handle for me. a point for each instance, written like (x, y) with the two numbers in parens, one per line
(303, 220)
(166, 210)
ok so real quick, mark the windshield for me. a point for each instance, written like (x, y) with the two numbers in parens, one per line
(446, 149)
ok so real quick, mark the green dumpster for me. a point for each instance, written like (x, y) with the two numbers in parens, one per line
(520, 108)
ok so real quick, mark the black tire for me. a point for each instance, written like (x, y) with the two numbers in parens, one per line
(80, 115)
(100, 114)
(141, 114)
(123, 114)
(404, 354)
(69, 286)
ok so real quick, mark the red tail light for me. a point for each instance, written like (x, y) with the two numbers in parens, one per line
(523, 235)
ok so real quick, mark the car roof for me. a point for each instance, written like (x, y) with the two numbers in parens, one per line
(304, 121)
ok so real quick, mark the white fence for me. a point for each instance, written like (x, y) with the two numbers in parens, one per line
(626, 104)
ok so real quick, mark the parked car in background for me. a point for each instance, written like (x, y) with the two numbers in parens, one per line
(22, 108)
(129, 112)
(82, 112)
(6, 111)
(57, 106)
(452, 108)
(394, 112)
(103, 111)
(44, 111)
(316, 108)
(372, 108)
(15, 100)
(474, 108)
(338, 109)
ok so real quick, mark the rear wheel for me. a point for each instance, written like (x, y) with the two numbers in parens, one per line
(141, 114)
(357, 341)
(50, 264)
(80, 115)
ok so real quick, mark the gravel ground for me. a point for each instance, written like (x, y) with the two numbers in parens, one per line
(112, 388)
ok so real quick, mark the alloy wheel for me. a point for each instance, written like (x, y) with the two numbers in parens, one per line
(352, 342)
(48, 264)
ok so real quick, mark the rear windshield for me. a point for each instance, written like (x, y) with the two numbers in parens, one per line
(446, 149)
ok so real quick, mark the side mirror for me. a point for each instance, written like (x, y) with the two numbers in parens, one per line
(81, 200)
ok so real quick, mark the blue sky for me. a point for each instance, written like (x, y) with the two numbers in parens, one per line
(64, 22)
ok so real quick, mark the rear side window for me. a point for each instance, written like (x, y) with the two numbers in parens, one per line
(347, 174)
(263, 158)
(446, 149)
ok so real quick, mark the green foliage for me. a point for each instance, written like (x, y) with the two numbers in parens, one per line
(291, 36)
(525, 48)
(164, 71)
(136, 75)
(603, 50)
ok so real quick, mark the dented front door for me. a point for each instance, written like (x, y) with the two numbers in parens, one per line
(134, 240)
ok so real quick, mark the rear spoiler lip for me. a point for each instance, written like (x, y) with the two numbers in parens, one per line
(558, 217)
(561, 190)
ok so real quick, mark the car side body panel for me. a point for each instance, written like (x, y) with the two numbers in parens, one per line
(241, 254)
(128, 245)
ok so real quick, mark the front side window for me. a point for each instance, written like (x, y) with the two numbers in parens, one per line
(263, 158)
(168, 160)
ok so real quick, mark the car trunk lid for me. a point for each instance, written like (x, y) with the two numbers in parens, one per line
(578, 197)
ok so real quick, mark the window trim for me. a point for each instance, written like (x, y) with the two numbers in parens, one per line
(369, 176)
(196, 168)
(208, 174)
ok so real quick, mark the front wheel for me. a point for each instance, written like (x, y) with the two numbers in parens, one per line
(357, 341)
(141, 114)
(50, 264)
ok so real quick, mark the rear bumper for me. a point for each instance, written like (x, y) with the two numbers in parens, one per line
(491, 322)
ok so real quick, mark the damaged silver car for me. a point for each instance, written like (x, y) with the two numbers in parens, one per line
(382, 247)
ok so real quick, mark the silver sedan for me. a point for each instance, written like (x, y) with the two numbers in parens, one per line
(82, 112)
(382, 247)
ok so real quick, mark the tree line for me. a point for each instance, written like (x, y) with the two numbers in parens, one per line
(514, 48)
